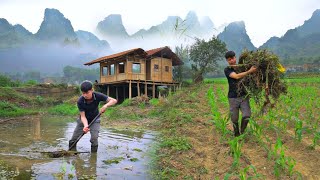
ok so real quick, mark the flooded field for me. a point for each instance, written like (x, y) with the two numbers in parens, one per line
(122, 154)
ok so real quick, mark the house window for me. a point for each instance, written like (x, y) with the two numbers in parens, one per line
(156, 67)
(111, 69)
(121, 67)
(136, 68)
(104, 70)
(167, 68)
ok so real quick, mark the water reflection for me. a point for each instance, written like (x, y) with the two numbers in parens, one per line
(22, 140)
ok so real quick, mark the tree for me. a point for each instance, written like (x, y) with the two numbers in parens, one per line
(180, 72)
(74, 74)
(204, 56)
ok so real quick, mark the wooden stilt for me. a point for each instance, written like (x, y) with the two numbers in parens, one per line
(146, 89)
(117, 97)
(108, 90)
(138, 86)
(153, 90)
(130, 90)
(124, 92)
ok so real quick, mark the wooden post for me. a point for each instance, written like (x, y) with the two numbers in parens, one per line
(108, 90)
(130, 93)
(153, 90)
(124, 92)
(161, 69)
(146, 89)
(117, 93)
(138, 86)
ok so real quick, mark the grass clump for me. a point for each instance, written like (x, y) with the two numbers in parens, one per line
(154, 101)
(64, 109)
(138, 150)
(176, 143)
(10, 110)
(116, 160)
(134, 159)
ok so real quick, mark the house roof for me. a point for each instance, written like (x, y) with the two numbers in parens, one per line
(137, 51)
(166, 53)
(158, 52)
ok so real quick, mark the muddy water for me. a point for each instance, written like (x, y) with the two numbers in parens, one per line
(121, 153)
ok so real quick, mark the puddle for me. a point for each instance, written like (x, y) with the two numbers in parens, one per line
(121, 153)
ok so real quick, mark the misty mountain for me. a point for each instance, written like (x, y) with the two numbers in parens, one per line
(13, 36)
(236, 38)
(207, 26)
(53, 47)
(176, 27)
(167, 28)
(88, 39)
(55, 27)
(300, 42)
(112, 27)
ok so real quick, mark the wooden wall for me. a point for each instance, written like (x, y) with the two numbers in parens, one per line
(160, 74)
(128, 74)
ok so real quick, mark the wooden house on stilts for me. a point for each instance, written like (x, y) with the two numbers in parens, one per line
(136, 72)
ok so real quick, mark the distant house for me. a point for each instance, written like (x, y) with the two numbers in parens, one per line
(123, 75)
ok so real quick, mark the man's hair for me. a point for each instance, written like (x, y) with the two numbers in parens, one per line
(86, 86)
(230, 54)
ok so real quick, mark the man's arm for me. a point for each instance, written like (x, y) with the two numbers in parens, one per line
(110, 102)
(243, 74)
(84, 121)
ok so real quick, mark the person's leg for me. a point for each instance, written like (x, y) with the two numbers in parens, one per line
(76, 133)
(94, 131)
(234, 114)
(246, 114)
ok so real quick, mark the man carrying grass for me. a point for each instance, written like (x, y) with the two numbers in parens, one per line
(238, 99)
(88, 104)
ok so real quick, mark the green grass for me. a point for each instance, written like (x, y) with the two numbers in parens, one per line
(64, 109)
(223, 80)
(154, 101)
(138, 150)
(10, 110)
(126, 102)
(116, 160)
(304, 80)
(134, 159)
(176, 143)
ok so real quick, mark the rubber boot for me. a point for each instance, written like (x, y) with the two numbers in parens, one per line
(74, 148)
(236, 129)
(244, 124)
(94, 149)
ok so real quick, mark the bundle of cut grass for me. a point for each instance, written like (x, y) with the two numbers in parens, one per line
(266, 84)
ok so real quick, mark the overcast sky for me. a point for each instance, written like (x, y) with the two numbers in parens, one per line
(263, 18)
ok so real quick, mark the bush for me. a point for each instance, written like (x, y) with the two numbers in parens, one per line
(7, 82)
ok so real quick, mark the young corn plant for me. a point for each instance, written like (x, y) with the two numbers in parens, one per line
(222, 97)
(219, 121)
(282, 162)
(243, 173)
(315, 139)
(257, 130)
(298, 129)
(235, 147)
(210, 96)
